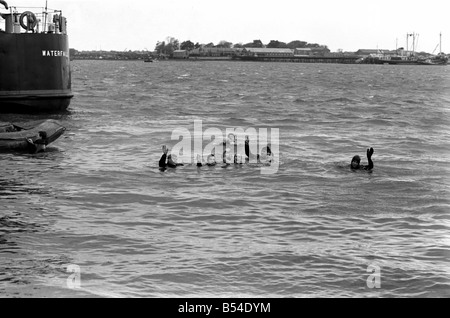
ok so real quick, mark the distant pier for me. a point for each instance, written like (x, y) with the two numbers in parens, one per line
(301, 59)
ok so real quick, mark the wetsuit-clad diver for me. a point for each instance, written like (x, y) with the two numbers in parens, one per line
(168, 161)
(162, 161)
(39, 145)
(172, 162)
(355, 164)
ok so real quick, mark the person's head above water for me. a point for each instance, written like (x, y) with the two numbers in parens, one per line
(211, 159)
(355, 162)
(266, 152)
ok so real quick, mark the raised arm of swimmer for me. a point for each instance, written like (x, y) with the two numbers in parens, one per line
(355, 164)
(369, 158)
(162, 161)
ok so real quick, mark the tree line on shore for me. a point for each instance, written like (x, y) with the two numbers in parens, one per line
(171, 44)
(167, 47)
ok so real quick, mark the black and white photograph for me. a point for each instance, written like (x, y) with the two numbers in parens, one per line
(224, 155)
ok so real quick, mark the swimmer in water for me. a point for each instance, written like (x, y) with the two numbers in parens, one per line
(249, 154)
(237, 159)
(162, 161)
(227, 159)
(247, 149)
(39, 145)
(356, 161)
(167, 160)
(266, 155)
(210, 162)
(225, 154)
(172, 162)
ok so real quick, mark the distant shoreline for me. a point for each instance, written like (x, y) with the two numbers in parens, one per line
(298, 59)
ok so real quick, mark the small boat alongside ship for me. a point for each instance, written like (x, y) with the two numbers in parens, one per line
(14, 136)
(35, 74)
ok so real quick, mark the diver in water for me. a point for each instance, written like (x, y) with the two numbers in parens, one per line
(39, 145)
(168, 161)
(225, 154)
(356, 162)
(172, 162)
(163, 160)
(228, 157)
(210, 162)
(266, 153)
(266, 156)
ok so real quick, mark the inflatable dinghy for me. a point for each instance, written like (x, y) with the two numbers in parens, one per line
(14, 137)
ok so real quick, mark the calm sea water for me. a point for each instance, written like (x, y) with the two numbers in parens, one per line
(97, 200)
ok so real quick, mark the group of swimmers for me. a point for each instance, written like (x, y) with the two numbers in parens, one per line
(169, 161)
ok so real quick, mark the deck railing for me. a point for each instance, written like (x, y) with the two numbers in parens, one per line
(46, 20)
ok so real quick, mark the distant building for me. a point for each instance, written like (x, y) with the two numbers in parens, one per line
(213, 52)
(267, 52)
(180, 54)
(312, 51)
(303, 51)
(320, 51)
(375, 52)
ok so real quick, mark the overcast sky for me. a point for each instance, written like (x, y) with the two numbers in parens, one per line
(339, 24)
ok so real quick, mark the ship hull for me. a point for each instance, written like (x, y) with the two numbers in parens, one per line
(435, 61)
(35, 73)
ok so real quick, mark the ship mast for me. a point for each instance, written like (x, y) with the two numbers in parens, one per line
(45, 21)
(408, 52)
(407, 48)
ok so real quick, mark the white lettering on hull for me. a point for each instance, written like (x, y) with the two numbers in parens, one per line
(54, 53)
